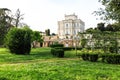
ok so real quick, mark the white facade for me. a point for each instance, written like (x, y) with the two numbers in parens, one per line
(70, 27)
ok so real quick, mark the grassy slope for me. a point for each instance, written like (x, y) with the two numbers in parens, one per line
(40, 65)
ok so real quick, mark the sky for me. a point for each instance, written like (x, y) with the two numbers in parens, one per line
(45, 14)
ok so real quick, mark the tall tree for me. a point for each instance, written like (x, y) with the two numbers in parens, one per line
(47, 31)
(101, 27)
(36, 37)
(109, 27)
(18, 17)
(5, 23)
(89, 30)
(111, 10)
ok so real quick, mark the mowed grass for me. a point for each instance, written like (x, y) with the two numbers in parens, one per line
(41, 65)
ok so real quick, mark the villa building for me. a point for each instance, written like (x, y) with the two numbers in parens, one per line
(68, 30)
(70, 27)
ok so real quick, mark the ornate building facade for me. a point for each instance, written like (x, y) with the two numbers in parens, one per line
(68, 30)
(70, 27)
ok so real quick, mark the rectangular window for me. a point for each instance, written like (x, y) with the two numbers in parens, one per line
(74, 32)
(66, 25)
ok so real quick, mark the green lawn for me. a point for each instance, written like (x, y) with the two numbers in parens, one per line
(41, 65)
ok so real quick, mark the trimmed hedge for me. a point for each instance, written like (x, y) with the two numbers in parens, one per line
(111, 58)
(85, 56)
(57, 52)
(93, 57)
(71, 48)
(90, 57)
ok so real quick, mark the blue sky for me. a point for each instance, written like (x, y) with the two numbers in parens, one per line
(44, 14)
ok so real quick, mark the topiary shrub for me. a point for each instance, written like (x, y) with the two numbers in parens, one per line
(18, 40)
(113, 58)
(53, 51)
(93, 57)
(103, 57)
(85, 56)
(57, 52)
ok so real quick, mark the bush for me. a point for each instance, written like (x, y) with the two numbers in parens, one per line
(93, 57)
(103, 56)
(56, 45)
(59, 48)
(18, 40)
(113, 58)
(57, 52)
(53, 51)
(85, 56)
(71, 48)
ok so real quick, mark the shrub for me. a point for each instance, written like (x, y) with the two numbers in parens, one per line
(59, 48)
(57, 52)
(103, 56)
(52, 51)
(68, 48)
(93, 57)
(113, 58)
(85, 56)
(18, 40)
(71, 48)
(89, 57)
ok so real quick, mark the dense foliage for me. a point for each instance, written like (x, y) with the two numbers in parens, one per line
(5, 23)
(36, 37)
(47, 32)
(111, 10)
(111, 58)
(90, 57)
(18, 40)
(57, 52)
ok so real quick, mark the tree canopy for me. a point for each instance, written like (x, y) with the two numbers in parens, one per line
(36, 37)
(5, 23)
(111, 10)
(47, 31)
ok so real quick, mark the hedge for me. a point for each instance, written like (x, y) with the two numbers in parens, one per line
(111, 58)
(57, 52)
(93, 57)
(90, 57)
(85, 56)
